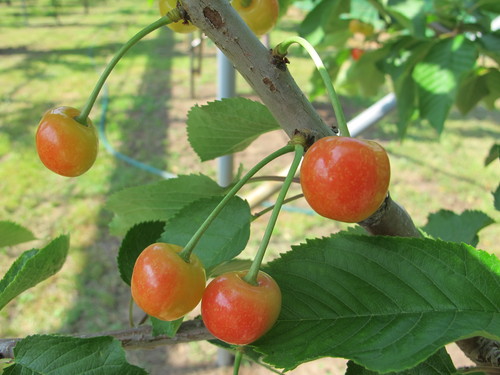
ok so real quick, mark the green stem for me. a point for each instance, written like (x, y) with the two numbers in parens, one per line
(246, 3)
(186, 252)
(237, 362)
(170, 17)
(251, 276)
(282, 49)
(267, 209)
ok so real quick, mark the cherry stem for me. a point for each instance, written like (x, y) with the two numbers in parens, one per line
(282, 49)
(172, 16)
(188, 249)
(251, 276)
(237, 362)
(267, 209)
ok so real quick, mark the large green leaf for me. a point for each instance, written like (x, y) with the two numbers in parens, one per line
(32, 267)
(439, 74)
(227, 126)
(158, 201)
(224, 239)
(464, 227)
(13, 234)
(386, 303)
(438, 364)
(60, 355)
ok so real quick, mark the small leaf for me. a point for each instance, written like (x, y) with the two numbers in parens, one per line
(493, 155)
(161, 327)
(496, 198)
(158, 201)
(57, 355)
(463, 227)
(13, 234)
(136, 240)
(224, 239)
(473, 89)
(387, 303)
(227, 126)
(33, 267)
(438, 364)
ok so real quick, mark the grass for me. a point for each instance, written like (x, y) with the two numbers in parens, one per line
(53, 61)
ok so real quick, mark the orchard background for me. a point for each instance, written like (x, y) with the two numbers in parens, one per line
(51, 53)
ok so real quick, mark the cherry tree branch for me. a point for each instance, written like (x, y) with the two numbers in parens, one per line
(133, 338)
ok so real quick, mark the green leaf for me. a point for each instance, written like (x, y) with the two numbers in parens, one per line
(493, 155)
(492, 79)
(161, 327)
(438, 76)
(496, 198)
(386, 303)
(13, 234)
(136, 240)
(438, 364)
(158, 201)
(364, 77)
(60, 355)
(472, 90)
(449, 226)
(225, 238)
(320, 20)
(410, 14)
(227, 126)
(33, 267)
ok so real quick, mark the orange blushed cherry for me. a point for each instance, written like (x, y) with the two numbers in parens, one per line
(238, 312)
(164, 285)
(64, 145)
(345, 179)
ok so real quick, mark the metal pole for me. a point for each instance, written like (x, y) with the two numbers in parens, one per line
(226, 88)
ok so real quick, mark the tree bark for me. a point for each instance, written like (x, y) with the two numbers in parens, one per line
(133, 338)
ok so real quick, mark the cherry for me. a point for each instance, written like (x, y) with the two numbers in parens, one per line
(64, 145)
(164, 285)
(345, 179)
(238, 312)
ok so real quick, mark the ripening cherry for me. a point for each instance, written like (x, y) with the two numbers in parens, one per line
(64, 145)
(164, 285)
(345, 179)
(238, 312)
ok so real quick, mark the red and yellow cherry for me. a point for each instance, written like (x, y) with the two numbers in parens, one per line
(64, 145)
(356, 53)
(259, 15)
(164, 285)
(238, 312)
(345, 179)
(179, 26)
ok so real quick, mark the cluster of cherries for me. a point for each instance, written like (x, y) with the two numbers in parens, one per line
(342, 178)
